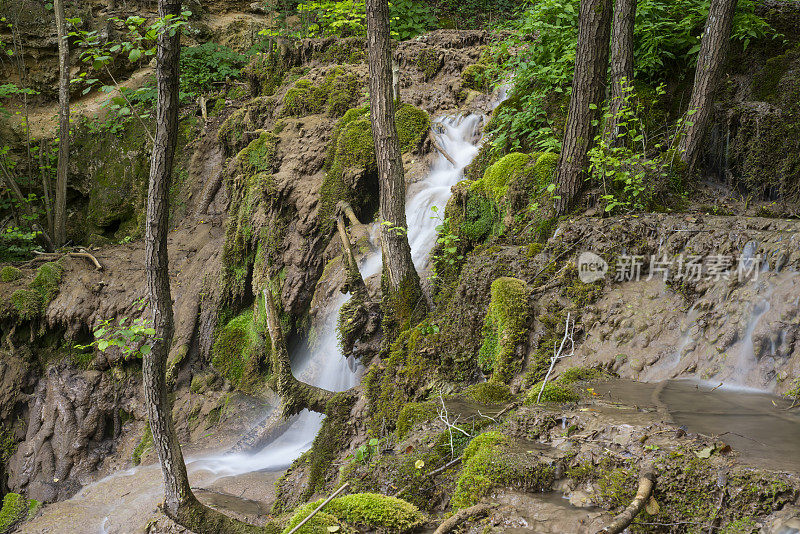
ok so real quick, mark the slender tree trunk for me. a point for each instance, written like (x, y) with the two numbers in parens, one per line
(621, 66)
(177, 492)
(591, 63)
(180, 503)
(43, 164)
(710, 62)
(402, 290)
(60, 222)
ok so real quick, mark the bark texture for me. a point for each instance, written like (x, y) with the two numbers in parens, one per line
(60, 222)
(402, 290)
(591, 63)
(621, 65)
(710, 61)
(177, 493)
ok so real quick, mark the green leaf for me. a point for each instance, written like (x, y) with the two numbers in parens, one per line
(704, 453)
(134, 55)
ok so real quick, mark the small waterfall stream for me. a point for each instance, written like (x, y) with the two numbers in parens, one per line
(323, 365)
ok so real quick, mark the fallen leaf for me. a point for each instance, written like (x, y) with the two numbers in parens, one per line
(652, 507)
(419, 464)
(705, 453)
(409, 449)
(334, 528)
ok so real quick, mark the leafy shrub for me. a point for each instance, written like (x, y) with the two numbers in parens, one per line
(17, 244)
(207, 64)
(409, 18)
(347, 18)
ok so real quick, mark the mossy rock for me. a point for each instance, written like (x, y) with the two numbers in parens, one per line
(28, 304)
(475, 77)
(494, 183)
(239, 351)
(412, 414)
(372, 511)
(16, 509)
(10, 274)
(336, 94)
(553, 392)
(580, 374)
(505, 328)
(489, 393)
(46, 281)
(490, 462)
(429, 62)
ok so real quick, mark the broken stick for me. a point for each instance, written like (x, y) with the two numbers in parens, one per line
(647, 480)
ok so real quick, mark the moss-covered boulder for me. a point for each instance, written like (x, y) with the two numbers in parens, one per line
(505, 329)
(553, 392)
(337, 93)
(414, 413)
(489, 393)
(31, 302)
(10, 274)
(363, 511)
(491, 461)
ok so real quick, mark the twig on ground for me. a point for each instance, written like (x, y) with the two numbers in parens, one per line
(318, 508)
(646, 482)
(557, 352)
(462, 515)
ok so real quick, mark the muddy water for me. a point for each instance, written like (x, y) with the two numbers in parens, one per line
(757, 425)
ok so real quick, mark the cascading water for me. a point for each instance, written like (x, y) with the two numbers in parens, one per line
(323, 365)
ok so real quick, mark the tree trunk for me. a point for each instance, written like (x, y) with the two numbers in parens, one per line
(60, 222)
(710, 61)
(621, 66)
(43, 163)
(180, 503)
(591, 63)
(402, 291)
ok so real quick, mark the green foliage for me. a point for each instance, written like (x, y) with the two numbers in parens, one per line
(10, 274)
(409, 18)
(208, 64)
(330, 17)
(446, 254)
(505, 327)
(667, 38)
(17, 243)
(134, 338)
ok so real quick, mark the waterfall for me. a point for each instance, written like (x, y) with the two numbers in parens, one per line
(323, 364)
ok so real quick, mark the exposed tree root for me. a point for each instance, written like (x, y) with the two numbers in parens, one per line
(295, 395)
(355, 282)
(647, 480)
(82, 254)
(462, 515)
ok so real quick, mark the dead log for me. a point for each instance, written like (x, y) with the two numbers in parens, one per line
(647, 480)
(462, 515)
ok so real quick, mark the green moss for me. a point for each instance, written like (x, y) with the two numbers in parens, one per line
(577, 374)
(336, 94)
(495, 181)
(266, 71)
(46, 282)
(412, 124)
(505, 327)
(489, 393)
(239, 351)
(144, 446)
(475, 77)
(15, 510)
(316, 525)
(27, 302)
(553, 392)
(371, 511)
(331, 439)
(429, 63)
(10, 274)
(413, 413)
(490, 462)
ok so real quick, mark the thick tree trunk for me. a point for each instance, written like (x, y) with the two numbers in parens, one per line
(621, 66)
(591, 63)
(401, 281)
(60, 222)
(710, 61)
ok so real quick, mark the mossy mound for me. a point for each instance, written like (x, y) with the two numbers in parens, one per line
(412, 414)
(378, 513)
(31, 302)
(239, 351)
(429, 62)
(489, 393)
(351, 157)
(337, 93)
(494, 183)
(505, 327)
(489, 462)
(16, 509)
(553, 392)
(10, 274)
(578, 374)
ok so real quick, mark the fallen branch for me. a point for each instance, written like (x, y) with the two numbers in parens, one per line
(318, 508)
(355, 282)
(646, 482)
(442, 151)
(432, 474)
(462, 515)
(83, 254)
(557, 353)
